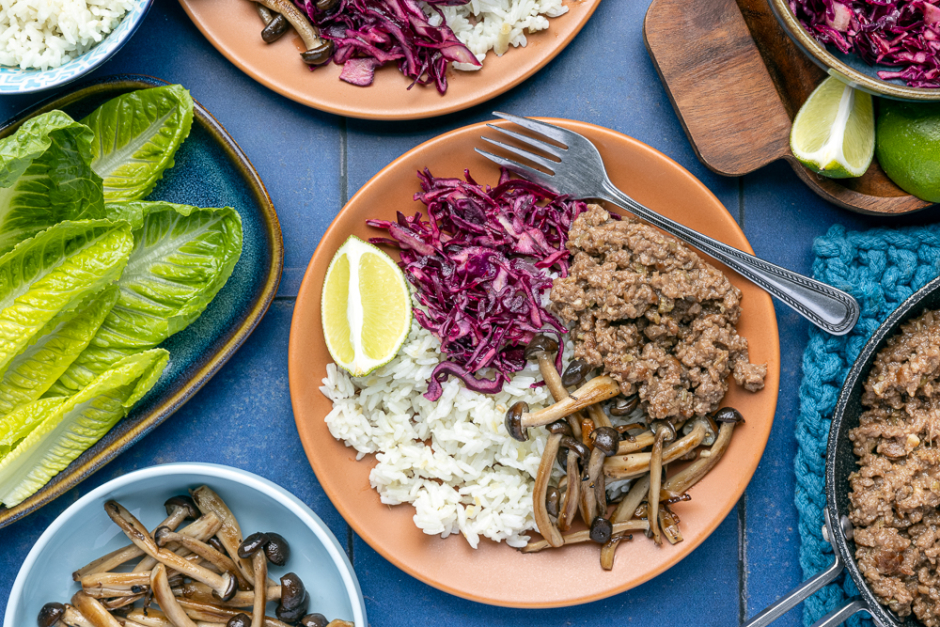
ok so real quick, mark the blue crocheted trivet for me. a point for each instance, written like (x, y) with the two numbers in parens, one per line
(881, 268)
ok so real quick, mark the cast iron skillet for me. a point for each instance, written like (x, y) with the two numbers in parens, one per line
(840, 463)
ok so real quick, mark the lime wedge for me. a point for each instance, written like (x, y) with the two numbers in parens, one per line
(366, 307)
(834, 132)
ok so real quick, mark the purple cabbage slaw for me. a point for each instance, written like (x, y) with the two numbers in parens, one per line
(899, 33)
(391, 30)
(480, 266)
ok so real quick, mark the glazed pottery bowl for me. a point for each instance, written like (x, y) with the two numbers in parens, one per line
(84, 532)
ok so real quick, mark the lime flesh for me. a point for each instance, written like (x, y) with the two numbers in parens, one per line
(834, 132)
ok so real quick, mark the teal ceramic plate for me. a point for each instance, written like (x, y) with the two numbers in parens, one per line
(83, 532)
(211, 171)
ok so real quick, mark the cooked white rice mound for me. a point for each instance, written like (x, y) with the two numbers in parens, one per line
(452, 459)
(484, 25)
(43, 34)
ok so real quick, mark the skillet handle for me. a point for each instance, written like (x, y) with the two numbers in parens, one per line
(839, 616)
(800, 594)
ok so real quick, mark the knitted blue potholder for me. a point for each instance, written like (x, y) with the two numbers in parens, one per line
(881, 268)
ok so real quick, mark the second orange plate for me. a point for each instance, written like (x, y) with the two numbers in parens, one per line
(495, 573)
(234, 28)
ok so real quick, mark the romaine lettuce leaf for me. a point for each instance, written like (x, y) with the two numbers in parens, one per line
(182, 257)
(16, 426)
(136, 137)
(34, 370)
(46, 177)
(70, 428)
(54, 272)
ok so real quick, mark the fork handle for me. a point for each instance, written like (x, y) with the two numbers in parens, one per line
(830, 309)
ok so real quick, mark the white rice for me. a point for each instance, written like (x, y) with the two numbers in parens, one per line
(43, 34)
(452, 459)
(484, 25)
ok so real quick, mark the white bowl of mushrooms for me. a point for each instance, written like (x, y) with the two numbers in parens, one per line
(184, 545)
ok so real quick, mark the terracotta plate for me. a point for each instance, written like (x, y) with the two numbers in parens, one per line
(533, 580)
(234, 28)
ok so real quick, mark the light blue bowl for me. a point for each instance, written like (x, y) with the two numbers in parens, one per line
(84, 532)
(13, 80)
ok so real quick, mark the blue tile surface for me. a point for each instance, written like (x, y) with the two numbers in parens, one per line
(311, 163)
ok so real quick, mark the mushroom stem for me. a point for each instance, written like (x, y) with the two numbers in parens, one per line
(679, 484)
(577, 537)
(638, 464)
(638, 443)
(662, 431)
(177, 512)
(545, 526)
(202, 529)
(597, 415)
(216, 613)
(149, 617)
(669, 523)
(230, 535)
(597, 390)
(569, 504)
(73, 618)
(318, 51)
(165, 599)
(259, 562)
(93, 610)
(225, 585)
(622, 513)
(123, 601)
(244, 598)
(164, 537)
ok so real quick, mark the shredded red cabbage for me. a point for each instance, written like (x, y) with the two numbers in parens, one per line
(898, 33)
(480, 267)
(390, 30)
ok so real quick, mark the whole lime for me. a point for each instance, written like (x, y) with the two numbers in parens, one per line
(908, 146)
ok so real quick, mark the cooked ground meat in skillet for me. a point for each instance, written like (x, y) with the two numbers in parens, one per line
(657, 318)
(896, 490)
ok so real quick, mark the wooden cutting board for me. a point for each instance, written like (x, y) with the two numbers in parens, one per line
(736, 81)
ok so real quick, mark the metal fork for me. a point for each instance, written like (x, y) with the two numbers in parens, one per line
(581, 173)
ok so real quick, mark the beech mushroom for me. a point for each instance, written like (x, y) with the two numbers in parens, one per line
(318, 50)
(638, 464)
(239, 620)
(253, 547)
(597, 390)
(622, 513)
(637, 443)
(573, 450)
(95, 613)
(243, 598)
(577, 537)
(624, 405)
(210, 612)
(605, 441)
(163, 536)
(163, 595)
(575, 374)
(178, 509)
(224, 585)
(669, 523)
(50, 614)
(664, 431)
(545, 525)
(274, 25)
(294, 601)
(230, 534)
(679, 484)
(601, 530)
(314, 620)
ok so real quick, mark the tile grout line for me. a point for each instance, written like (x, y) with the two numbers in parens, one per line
(741, 201)
(742, 559)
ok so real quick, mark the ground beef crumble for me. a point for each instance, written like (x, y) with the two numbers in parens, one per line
(896, 490)
(657, 318)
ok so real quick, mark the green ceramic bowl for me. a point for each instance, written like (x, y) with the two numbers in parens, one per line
(211, 171)
(850, 68)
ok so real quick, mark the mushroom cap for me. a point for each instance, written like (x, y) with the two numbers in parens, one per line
(559, 427)
(160, 536)
(216, 544)
(552, 500)
(514, 421)
(314, 620)
(239, 620)
(670, 429)
(277, 549)
(293, 592)
(50, 614)
(275, 29)
(606, 440)
(318, 55)
(601, 530)
(231, 590)
(624, 405)
(575, 373)
(182, 501)
(728, 414)
(711, 429)
(568, 442)
(252, 544)
(541, 343)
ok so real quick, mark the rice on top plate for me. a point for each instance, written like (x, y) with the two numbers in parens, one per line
(44, 34)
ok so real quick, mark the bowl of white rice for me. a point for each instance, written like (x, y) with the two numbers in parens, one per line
(48, 43)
